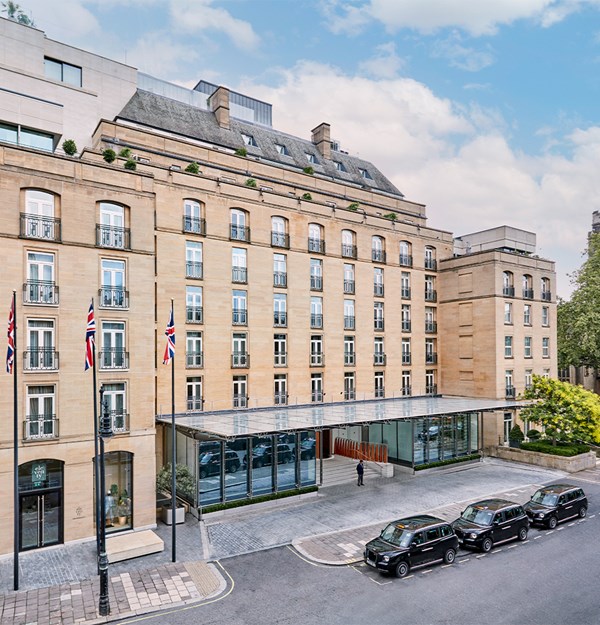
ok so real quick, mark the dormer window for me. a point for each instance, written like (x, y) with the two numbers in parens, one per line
(364, 173)
(339, 166)
(249, 140)
(281, 149)
(311, 158)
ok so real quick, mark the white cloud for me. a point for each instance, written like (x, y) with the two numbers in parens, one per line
(158, 55)
(68, 20)
(385, 63)
(460, 56)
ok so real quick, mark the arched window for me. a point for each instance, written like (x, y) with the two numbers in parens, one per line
(406, 254)
(508, 284)
(430, 259)
(348, 244)
(111, 231)
(546, 294)
(316, 241)
(527, 286)
(39, 219)
(279, 232)
(193, 217)
(239, 229)
(378, 249)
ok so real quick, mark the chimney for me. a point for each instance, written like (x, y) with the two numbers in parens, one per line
(321, 137)
(218, 103)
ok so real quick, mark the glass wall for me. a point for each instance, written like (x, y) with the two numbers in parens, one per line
(118, 499)
(308, 455)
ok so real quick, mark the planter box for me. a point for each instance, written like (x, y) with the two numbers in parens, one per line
(166, 515)
(570, 464)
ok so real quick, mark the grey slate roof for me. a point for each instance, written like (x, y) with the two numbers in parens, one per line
(163, 113)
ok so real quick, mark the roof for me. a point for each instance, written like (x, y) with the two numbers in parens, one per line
(156, 111)
(493, 504)
(261, 421)
(418, 522)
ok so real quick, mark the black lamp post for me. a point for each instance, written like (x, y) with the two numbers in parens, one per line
(104, 432)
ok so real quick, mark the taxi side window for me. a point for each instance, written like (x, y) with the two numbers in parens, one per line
(510, 514)
(432, 534)
(445, 530)
(418, 539)
(562, 499)
(499, 517)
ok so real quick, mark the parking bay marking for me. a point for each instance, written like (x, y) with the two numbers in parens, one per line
(464, 560)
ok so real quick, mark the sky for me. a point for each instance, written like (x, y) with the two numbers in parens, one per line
(484, 110)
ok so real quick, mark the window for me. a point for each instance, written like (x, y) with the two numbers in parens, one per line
(38, 220)
(546, 373)
(379, 384)
(40, 287)
(240, 391)
(508, 313)
(545, 347)
(430, 384)
(280, 309)
(364, 173)
(349, 318)
(194, 394)
(405, 254)
(349, 386)
(249, 140)
(310, 157)
(111, 231)
(508, 285)
(545, 316)
(405, 285)
(529, 378)
(348, 244)
(430, 260)
(40, 417)
(349, 353)
(194, 357)
(508, 347)
(114, 395)
(239, 308)
(316, 274)
(193, 304)
(527, 347)
(239, 350)
(113, 354)
(378, 282)
(315, 239)
(238, 228)
(192, 217)
(349, 284)
(316, 350)
(316, 312)
(545, 288)
(527, 286)
(430, 292)
(430, 320)
(316, 387)
(279, 232)
(430, 352)
(508, 384)
(281, 149)
(280, 388)
(406, 351)
(378, 321)
(527, 314)
(339, 166)
(41, 354)
(378, 351)
(62, 72)
(406, 384)
(279, 270)
(112, 290)
(239, 266)
(27, 137)
(193, 260)
(280, 350)
(406, 322)
(378, 249)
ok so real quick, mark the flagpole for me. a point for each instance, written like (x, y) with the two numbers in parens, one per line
(16, 451)
(174, 458)
(96, 452)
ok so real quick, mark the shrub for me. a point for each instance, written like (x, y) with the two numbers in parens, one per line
(247, 502)
(193, 168)
(251, 183)
(354, 206)
(241, 152)
(306, 196)
(130, 164)
(124, 152)
(69, 147)
(561, 449)
(391, 216)
(309, 170)
(516, 433)
(443, 463)
(109, 155)
(184, 480)
(533, 435)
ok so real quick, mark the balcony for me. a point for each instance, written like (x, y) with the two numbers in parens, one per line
(38, 227)
(240, 401)
(379, 359)
(349, 394)
(546, 296)
(194, 270)
(316, 321)
(280, 279)
(194, 360)
(431, 327)
(42, 359)
(406, 358)
(527, 293)
(508, 291)
(349, 359)
(316, 396)
(114, 358)
(405, 292)
(280, 359)
(40, 427)
(280, 239)
(316, 245)
(430, 295)
(316, 283)
(239, 317)
(240, 360)
(40, 292)
(111, 297)
(431, 358)
(239, 233)
(317, 359)
(430, 263)
(120, 421)
(349, 322)
(195, 404)
(280, 319)
(113, 237)
(194, 314)
(378, 256)
(510, 392)
(280, 399)
(378, 290)
(406, 391)
(378, 324)
(239, 275)
(405, 326)
(349, 251)
(379, 393)
(431, 389)
(349, 287)
(406, 260)
(194, 225)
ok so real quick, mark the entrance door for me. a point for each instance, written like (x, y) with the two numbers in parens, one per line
(40, 520)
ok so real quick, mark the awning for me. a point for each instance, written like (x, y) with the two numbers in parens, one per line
(263, 421)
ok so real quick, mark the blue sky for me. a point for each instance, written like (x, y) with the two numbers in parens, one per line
(485, 110)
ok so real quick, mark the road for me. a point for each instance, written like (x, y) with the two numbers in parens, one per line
(549, 579)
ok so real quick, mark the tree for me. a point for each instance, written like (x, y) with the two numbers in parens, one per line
(15, 12)
(566, 411)
(579, 318)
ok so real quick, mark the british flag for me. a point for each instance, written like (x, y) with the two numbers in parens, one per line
(170, 348)
(10, 355)
(90, 337)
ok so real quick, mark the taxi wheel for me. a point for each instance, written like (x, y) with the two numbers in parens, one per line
(582, 512)
(523, 533)
(402, 569)
(486, 545)
(552, 522)
(449, 556)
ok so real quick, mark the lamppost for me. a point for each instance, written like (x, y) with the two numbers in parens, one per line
(104, 432)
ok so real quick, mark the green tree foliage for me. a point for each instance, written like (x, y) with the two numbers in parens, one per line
(15, 12)
(567, 412)
(184, 480)
(579, 318)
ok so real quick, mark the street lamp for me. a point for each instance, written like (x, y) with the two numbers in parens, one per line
(104, 432)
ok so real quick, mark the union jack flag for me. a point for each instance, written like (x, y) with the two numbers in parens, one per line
(170, 348)
(90, 337)
(10, 355)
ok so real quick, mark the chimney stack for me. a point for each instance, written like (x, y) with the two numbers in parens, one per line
(321, 137)
(218, 103)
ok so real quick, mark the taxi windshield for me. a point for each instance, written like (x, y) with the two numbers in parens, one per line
(480, 516)
(546, 499)
(397, 535)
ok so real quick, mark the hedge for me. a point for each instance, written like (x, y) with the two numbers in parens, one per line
(561, 449)
(443, 463)
(248, 502)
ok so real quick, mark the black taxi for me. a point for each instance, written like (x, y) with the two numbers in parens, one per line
(555, 503)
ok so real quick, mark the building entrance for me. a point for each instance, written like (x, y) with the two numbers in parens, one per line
(41, 522)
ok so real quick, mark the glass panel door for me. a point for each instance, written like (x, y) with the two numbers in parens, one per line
(41, 520)
(30, 525)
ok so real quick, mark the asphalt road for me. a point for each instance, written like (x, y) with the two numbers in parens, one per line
(549, 579)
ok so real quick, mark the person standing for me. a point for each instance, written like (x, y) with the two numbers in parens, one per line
(360, 470)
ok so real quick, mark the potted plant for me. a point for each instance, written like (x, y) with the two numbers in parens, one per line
(130, 164)
(306, 196)
(251, 183)
(241, 152)
(109, 155)
(515, 436)
(184, 485)
(69, 147)
(309, 170)
(193, 168)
